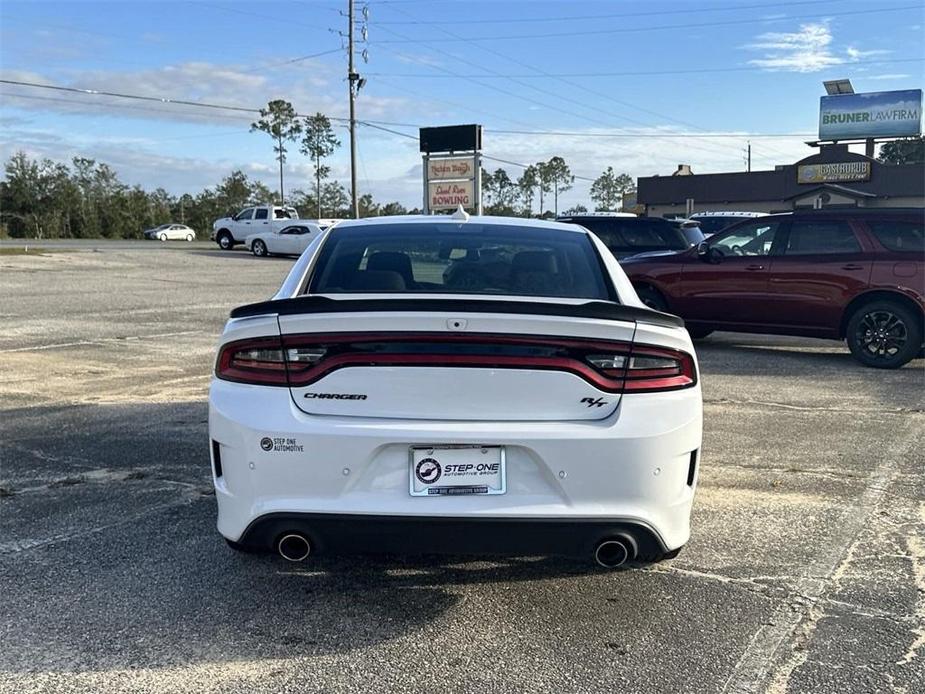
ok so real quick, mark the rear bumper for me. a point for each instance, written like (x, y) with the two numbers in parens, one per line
(346, 478)
(348, 534)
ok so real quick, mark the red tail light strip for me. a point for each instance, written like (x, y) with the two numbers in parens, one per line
(346, 350)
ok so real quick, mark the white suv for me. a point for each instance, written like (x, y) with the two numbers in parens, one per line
(484, 385)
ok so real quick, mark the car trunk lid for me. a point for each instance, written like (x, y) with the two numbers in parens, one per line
(464, 362)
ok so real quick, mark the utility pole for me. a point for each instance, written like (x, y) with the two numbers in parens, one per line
(282, 197)
(352, 79)
(749, 156)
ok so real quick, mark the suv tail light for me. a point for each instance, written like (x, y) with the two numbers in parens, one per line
(612, 367)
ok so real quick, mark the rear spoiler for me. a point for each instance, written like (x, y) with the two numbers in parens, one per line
(605, 310)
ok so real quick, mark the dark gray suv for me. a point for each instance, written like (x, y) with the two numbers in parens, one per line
(629, 236)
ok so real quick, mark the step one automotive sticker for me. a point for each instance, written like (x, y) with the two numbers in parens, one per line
(280, 444)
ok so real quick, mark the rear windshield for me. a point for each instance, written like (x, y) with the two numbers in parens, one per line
(692, 233)
(904, 237)
(468, 258)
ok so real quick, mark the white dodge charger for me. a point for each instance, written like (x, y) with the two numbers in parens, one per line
(462, 385)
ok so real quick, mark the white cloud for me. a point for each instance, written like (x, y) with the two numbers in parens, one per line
(226, 85)
(889, 76)
(856, 54)
(390, 166)
(810, 49)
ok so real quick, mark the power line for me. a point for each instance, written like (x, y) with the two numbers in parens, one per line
(98, 92)
(524, 166)
(625, 30)
(371, 123)
(521, 97)
(283, 63)
(149, 109)
(484, 156)
(572, 83)
(632, 73)
(444, 101)
(705, 135)
(616, 15)
(287, 20)
(140, 97)
(543, 91)
(553, 94)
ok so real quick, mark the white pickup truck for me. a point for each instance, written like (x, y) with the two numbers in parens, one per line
(228, 231)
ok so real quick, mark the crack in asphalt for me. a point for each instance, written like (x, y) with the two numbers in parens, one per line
(814, 408)
(783, 642)
(16, 547)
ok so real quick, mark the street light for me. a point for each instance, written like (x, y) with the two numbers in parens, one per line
(835, 87)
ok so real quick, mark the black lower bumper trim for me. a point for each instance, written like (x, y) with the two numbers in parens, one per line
(362, 534)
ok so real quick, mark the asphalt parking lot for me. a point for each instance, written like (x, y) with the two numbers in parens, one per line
(805, 573)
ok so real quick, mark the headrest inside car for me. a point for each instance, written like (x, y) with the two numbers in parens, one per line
(378, 280)
(534, 261)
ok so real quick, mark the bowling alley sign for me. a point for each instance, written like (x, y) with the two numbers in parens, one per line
(452, 168)
(451, 182)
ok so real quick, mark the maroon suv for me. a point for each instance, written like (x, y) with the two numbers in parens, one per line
(857, 275)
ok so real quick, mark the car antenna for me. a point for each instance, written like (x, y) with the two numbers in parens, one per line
(460, 215)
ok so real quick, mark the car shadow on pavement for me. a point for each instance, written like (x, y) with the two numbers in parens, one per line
(165, 590)
(770, 355)
(110, 557)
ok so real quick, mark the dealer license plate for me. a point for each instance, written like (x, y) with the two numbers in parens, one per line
(457, 470)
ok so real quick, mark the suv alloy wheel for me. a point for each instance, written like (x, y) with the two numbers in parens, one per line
(884, 334)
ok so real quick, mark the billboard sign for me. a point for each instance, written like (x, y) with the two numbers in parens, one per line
(871, 114)
(450, 167)
(830, 173)
(450, 195)
(451, 138)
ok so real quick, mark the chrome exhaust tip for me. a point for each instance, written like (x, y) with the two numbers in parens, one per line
(615, 551)
(294, 547)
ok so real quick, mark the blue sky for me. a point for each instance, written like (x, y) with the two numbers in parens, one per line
(640, 86)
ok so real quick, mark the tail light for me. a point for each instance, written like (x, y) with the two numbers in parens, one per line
(258, 361)
(647, 369)
(299, 360)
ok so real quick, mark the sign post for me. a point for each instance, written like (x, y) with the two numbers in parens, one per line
(452, 168)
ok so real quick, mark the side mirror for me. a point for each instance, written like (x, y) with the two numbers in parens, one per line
(708, 253)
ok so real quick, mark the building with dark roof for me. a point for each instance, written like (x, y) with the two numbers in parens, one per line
(833, 177)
